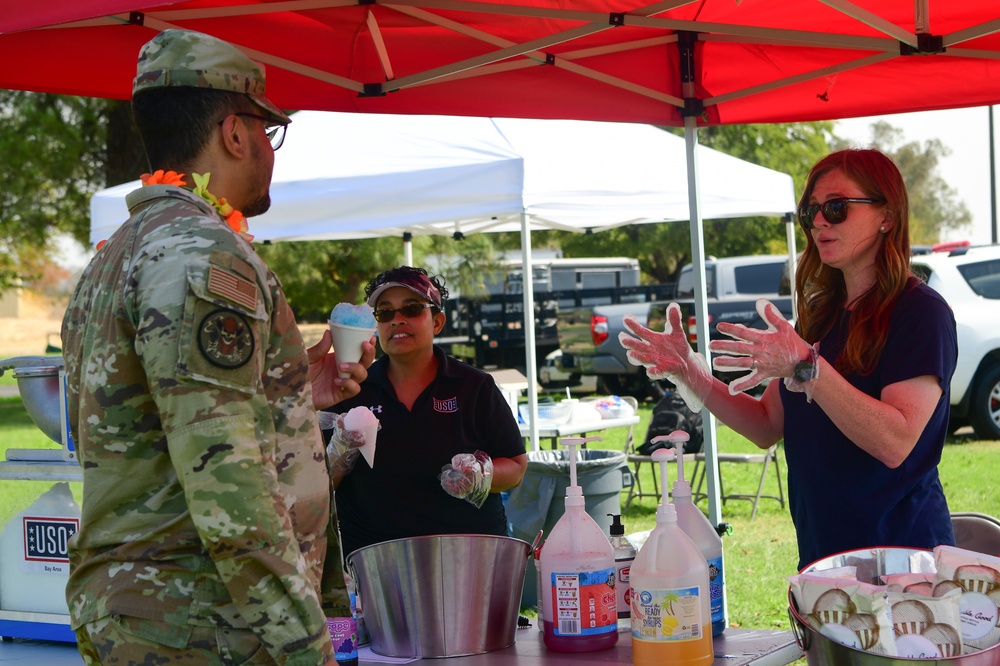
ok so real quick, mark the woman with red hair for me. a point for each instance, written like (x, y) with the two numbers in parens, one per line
(863, 405)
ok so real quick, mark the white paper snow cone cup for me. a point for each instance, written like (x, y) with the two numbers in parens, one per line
(347, 342)
(368, 450)
(370, 432)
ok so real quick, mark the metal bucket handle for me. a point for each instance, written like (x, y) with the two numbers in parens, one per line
(802, 637)
(534, 544)
(16, 362)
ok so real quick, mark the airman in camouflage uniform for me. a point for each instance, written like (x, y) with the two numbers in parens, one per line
(206, 517)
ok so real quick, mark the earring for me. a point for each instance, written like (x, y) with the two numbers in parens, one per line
(882, 228)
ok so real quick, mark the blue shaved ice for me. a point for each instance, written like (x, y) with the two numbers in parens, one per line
(347, 314)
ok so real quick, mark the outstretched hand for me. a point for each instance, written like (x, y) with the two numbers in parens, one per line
(668, 355)
(328, 388)
(768, 354)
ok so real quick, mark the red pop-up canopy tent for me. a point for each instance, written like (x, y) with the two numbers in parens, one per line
(675, 62)
(623, 60)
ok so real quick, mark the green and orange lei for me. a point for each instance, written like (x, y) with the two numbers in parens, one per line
(233, 217)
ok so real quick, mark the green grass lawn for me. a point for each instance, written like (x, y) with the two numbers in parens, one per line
(759, 555)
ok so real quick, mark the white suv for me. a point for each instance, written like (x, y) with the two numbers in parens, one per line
(969, 279)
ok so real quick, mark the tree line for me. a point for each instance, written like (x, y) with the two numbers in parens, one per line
(60, 150)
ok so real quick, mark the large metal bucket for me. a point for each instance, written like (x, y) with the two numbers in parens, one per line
(440, 596)
(871, 564)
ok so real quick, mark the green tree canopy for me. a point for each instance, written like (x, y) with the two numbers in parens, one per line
(53, 150)
(934, 205)
(59, 150)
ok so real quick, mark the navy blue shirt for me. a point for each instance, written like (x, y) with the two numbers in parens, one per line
(840, 497)
(461, 411)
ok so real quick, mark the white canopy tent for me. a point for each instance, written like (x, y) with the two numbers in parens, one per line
(349, 176)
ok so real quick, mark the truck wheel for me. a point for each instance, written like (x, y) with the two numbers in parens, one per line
(984, 413)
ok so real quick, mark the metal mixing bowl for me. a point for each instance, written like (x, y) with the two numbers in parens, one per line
(38, 382)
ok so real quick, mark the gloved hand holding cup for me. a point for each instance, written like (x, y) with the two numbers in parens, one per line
(353, 436)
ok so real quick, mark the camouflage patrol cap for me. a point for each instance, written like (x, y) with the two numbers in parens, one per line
(193, 59)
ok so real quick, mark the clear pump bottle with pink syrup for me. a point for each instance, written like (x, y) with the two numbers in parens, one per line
(579, 609)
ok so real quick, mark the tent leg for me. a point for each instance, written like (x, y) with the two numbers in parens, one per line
(528, 295)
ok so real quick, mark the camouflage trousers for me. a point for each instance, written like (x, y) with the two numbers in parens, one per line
(118, 640)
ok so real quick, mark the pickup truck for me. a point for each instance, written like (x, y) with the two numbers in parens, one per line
(588, 338)
(969, 279)
(488, 331)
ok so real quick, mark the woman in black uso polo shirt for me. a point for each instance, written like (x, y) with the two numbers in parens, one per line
(430, 407)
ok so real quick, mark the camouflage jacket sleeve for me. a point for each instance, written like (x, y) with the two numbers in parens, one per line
(227, 370)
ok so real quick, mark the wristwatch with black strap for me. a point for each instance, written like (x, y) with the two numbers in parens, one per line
(807, 370)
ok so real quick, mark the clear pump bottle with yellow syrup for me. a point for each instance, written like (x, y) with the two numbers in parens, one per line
(579, 611)
(698, 527)
(670, 593)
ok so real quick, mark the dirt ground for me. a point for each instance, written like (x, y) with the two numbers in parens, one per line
(41, 321)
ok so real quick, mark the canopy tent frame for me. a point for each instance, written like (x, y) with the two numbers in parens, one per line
(759, 61)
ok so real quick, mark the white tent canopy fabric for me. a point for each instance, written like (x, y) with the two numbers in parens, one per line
(347, 176)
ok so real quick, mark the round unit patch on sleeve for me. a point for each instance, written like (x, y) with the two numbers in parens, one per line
(225, 338)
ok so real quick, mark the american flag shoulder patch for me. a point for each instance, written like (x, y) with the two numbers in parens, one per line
(233, 287)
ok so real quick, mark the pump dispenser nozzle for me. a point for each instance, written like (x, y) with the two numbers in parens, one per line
(679, 438)
(664, 510)
(616, 528)
(574, 493)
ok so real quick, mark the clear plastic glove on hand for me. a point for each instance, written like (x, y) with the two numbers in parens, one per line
(768, 354)
(468, 477)
(668, 355)
(344, 447)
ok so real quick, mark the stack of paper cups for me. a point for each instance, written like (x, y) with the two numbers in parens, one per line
(347, 342)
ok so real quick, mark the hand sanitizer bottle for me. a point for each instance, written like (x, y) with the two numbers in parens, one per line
(624, 556)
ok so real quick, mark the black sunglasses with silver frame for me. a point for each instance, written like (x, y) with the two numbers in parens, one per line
(834, 210)
(410, 311)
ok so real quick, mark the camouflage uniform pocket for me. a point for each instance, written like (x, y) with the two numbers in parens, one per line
(225, 325)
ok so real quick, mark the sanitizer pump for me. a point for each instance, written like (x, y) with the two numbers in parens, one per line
(670, 592)
(624, 556)
(579, 611)
(697, 526)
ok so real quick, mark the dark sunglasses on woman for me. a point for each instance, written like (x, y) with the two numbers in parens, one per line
(411, 310)
(834, 210)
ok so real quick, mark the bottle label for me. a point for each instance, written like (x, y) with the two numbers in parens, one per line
(344, 636)
(716, 586)
(623, 589)
(584, 603)
(667, 615)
